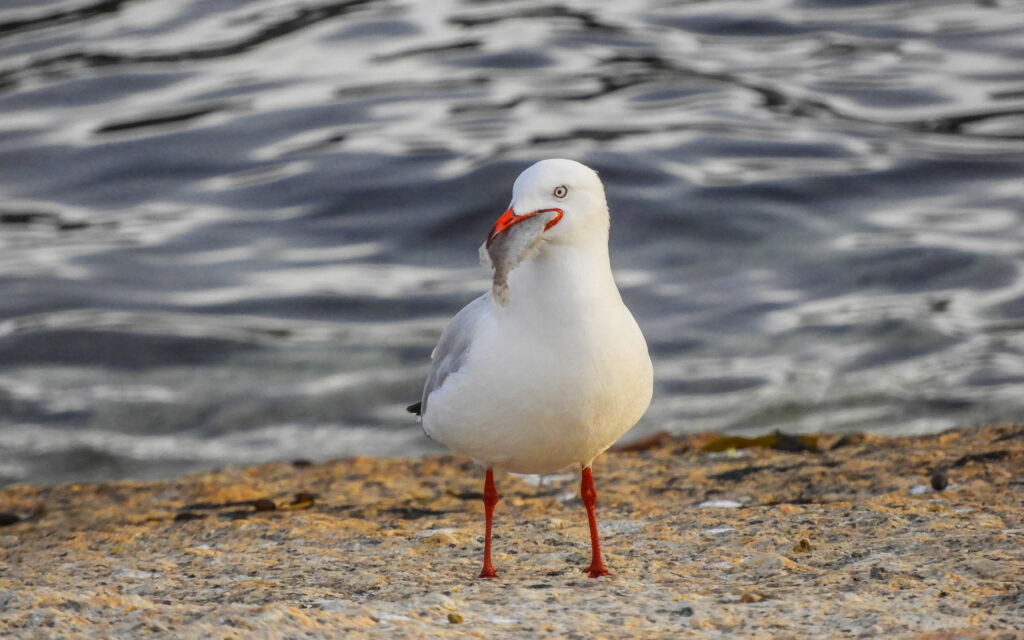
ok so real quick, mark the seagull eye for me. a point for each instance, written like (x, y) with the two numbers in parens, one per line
(561, 191)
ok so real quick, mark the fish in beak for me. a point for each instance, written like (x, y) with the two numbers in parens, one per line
(513, 239)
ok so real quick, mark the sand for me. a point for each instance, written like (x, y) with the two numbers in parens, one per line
(705, 541)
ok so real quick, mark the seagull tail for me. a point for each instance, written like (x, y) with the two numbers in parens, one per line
(415, 408)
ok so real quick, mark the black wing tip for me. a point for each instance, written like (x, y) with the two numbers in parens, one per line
(415, 408)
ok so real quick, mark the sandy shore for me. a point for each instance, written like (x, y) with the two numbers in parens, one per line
(848, 541)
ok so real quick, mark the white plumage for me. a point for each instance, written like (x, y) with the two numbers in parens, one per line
(560, 373)
(556, 375)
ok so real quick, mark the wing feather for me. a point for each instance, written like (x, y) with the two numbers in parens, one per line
(450, 353)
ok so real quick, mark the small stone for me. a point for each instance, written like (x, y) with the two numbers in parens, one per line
(766, 564)
(939, 479)
(685, 612)
(877, 572)
(264, 504)
(185, 516)
(7, 519)
(719, 504)
(454, 618)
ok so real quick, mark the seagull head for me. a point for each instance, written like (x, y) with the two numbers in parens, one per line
(569, 192)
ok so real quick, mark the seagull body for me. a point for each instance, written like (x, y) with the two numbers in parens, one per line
(551, 371)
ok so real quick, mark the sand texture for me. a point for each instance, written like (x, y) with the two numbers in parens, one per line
(704, 540)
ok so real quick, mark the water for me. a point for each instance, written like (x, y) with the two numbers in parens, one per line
(232, 231)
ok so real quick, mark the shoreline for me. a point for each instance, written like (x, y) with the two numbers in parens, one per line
(853, 540)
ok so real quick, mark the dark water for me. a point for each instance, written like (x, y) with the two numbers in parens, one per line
(232, 231)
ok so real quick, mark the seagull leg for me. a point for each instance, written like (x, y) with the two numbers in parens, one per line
(491, 498)
(589, 495)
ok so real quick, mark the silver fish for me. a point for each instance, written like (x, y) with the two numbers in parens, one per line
(510, 248)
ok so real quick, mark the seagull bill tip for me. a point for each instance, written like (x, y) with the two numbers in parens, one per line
(509, 219)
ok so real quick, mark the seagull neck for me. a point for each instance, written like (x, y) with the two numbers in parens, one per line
(579, 275)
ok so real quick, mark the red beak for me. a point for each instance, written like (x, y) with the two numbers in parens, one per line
(509, 219)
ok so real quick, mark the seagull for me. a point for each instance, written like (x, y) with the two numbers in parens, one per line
(547, 370)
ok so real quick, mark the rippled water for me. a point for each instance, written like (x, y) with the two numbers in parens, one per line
(232, 231)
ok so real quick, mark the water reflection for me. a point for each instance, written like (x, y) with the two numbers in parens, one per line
(233, 231)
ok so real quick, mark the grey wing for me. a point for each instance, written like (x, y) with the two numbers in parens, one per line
(451, 350)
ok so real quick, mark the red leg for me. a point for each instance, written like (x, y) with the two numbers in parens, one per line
(491, 498)
(589, 495)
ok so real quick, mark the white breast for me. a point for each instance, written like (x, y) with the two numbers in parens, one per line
(551, 380)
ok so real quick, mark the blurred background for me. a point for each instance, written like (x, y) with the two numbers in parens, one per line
(231, 231)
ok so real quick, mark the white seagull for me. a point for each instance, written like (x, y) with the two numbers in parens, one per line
(548, 369)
